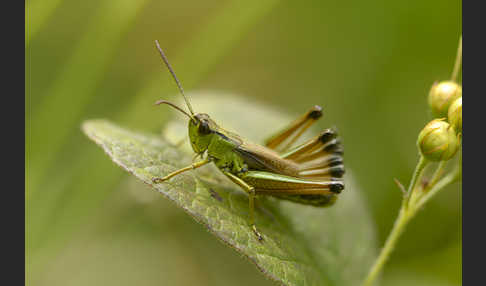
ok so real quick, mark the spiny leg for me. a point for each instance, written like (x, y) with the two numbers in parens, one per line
(251, 198)
(294, 130)
(193, 166)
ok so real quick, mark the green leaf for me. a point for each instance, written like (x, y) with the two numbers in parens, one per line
(303, 245)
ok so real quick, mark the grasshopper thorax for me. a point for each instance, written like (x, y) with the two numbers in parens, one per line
(201, 129)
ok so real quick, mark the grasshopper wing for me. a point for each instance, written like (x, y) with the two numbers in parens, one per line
(260, 158)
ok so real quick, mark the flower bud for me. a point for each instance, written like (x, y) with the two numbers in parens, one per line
(442, 95)
(455, 114)
(438, 141)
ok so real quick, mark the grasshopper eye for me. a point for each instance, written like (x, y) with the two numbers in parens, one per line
(204, 128)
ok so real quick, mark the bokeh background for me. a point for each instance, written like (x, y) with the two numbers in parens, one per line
(370, 64)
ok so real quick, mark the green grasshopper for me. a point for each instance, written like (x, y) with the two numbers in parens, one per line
(310, 173)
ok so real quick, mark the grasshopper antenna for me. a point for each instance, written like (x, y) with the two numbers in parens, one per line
(166, 61)
(159, 102)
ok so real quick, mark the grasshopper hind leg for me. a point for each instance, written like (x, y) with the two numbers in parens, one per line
(283, 140)
(251, 201)
(319, 158)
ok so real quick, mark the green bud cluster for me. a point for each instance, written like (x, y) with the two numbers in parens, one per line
(454, 115)
(440, 139)
(442, 95)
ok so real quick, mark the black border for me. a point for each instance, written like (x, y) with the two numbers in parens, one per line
(473, 203)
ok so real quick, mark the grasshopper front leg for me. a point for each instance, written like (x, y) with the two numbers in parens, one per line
(251, 200)
(193, 166)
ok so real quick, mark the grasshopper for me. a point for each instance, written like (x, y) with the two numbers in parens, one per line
(310, 173)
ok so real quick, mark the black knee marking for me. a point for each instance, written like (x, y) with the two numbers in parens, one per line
(339, 151)
(327, 135)
(335, 160)
(336, 187)
(316, 112)
(337, 171)
(334, 146)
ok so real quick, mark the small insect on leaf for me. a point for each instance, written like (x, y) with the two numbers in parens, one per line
(303, 245)
(295, 244)
(310, 173)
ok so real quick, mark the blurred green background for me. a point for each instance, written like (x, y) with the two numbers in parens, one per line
(370, 65)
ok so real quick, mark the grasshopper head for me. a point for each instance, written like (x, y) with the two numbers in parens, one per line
(201, 128)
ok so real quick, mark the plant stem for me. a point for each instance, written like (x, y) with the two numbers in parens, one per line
(410, 207)
(400, 223)
(447, 180)
(438, 172)
(403, 217)
(416, 174)
(415, 197)
(457, 64)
